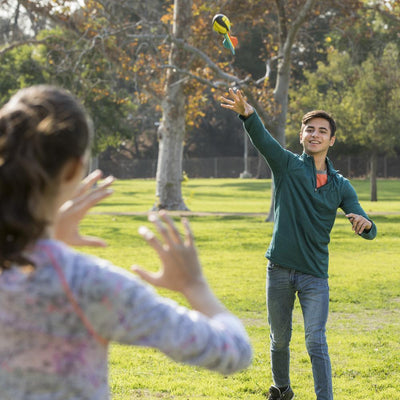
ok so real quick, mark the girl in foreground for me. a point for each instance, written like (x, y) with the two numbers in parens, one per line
(59, 309)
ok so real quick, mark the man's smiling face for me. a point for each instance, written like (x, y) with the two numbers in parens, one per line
(315, 136)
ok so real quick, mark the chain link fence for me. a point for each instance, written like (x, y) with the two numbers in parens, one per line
(235, 167)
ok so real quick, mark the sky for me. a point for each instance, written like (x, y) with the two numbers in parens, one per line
(7, 10)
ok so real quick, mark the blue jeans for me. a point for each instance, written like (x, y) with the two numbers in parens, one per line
(313, 294)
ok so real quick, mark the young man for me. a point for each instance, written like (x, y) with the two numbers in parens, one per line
(308, 192)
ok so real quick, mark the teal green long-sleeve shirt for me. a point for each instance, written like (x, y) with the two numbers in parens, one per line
(304, 214)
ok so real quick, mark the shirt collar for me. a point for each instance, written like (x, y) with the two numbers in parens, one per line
(309, 160)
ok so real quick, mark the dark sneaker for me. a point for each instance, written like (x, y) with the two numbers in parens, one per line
(276, 394)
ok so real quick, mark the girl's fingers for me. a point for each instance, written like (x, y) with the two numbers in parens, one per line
(106, 182)
(92, 177)
(188, 232)
(166, 228)
(160, 227)
(81, 204)
(169, 233)
(172, 229)
(91, 241)
(151, 239)
(94, 197)
(145, 275)
(89, 181)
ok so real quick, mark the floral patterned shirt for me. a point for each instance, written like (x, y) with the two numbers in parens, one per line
(53, 349)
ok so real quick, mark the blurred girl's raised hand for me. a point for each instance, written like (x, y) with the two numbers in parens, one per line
(180, 270)
(70, 214)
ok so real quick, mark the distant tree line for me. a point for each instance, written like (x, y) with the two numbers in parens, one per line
(126, 59)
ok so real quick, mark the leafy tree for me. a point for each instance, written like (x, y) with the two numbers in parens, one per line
(139, 43)
(327, 88)
(85, 70)
(370, 84)
(377, 102)
(80, 63)
(18, 68)
(150, 47)
(376, 23)
(172, 128)
(364, 98)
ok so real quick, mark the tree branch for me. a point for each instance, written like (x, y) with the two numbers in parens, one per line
(22, 43)
(267, 70)
(200, 54)
(207, 82)
(386, 14)
(292, 32)
(46, 11)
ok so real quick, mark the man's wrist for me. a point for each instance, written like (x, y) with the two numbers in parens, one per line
(247, 112)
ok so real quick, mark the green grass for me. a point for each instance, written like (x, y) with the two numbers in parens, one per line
(364, 322)
(232, 195)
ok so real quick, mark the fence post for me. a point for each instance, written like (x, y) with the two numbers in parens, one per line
(349, 166)
(385, 172)
(246, 173)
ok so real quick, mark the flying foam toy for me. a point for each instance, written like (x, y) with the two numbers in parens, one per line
(222, 25)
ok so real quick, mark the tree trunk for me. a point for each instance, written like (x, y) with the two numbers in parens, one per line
(287, 33)
(93, 163)
(171, 131)
(260, 161)
(373, 174)
(281, 98)
(246, 173)
(349, 166)
(385, 169)
(271, 216)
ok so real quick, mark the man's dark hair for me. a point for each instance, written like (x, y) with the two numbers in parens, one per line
(320, 114)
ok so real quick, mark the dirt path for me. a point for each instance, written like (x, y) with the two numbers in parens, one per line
(216, 213)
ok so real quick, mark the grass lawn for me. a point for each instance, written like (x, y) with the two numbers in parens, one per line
(233, 195)
(364, 322)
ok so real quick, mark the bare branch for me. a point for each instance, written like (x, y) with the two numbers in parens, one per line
(267, 70)
(22, 43)
(213, 84)
(386, 14)
(189, 75)
(266, 117)
(280, 5)
(46, 11)
(213, 66)
(292, 32)
(183, 44)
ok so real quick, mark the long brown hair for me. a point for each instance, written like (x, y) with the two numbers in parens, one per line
(41, 128)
